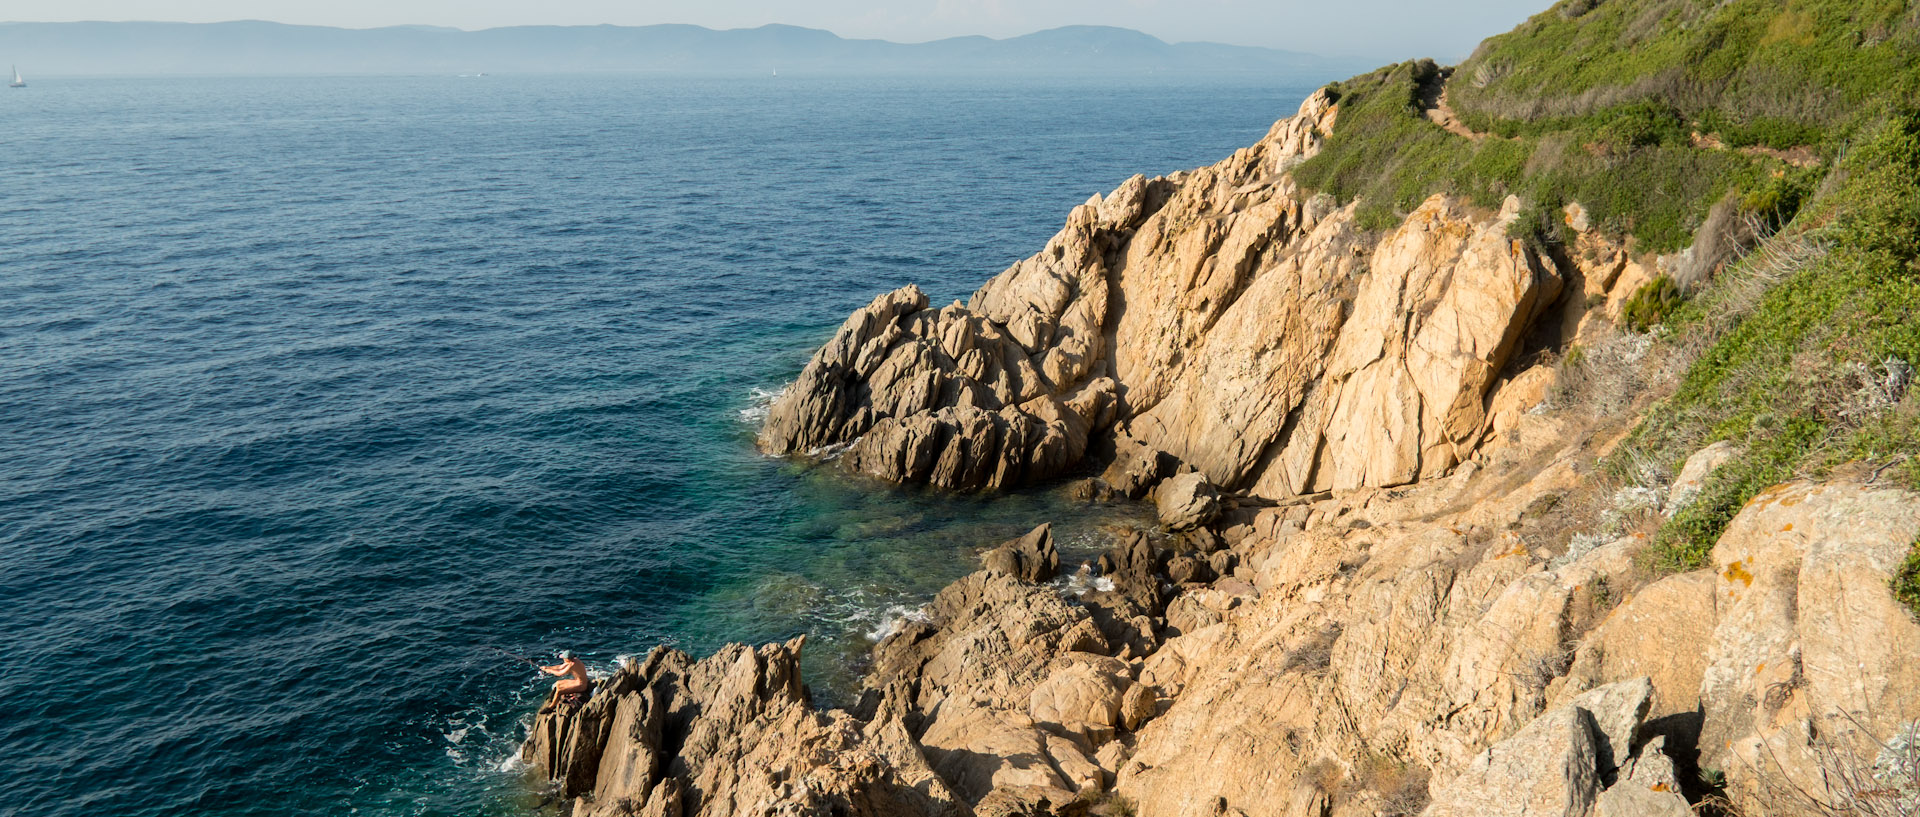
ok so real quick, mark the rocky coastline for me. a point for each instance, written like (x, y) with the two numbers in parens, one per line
(1362, 598)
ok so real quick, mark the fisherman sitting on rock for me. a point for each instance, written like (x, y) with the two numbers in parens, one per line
(573, 686)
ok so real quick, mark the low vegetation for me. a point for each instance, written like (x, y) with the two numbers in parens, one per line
(1817, 374)
(1794, 125)
(1650, 306)
(1635, 173)
(1754, 72)
(1906, 581)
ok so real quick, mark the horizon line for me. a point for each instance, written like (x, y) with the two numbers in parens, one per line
(448, 28)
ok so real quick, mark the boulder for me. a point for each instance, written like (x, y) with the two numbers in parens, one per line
(1809, 669)
(1186, 501)
(1618, 710)
(1031, 558)
(1223, 562)
(1188, 570)
(988, 637)
(1136, 467)
(978, 749)
(1127, 612)
(1693, 475)
(1649, 786)
(1656, 633)
(1083, 695)
(1548, 768)
(1137, 707)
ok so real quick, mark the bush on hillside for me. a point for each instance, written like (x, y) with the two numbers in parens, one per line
(1651, 304)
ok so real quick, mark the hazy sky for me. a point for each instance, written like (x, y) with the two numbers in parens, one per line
(1385, 29)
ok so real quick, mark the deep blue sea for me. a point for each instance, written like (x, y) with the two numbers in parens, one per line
(314, 391)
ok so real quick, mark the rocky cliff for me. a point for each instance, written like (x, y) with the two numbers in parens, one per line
(1390, 651)
(1407, 562)
(1218, 316)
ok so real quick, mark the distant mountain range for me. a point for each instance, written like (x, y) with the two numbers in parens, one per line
(253, 47)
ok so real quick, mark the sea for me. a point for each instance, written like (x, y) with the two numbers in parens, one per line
(323, 398)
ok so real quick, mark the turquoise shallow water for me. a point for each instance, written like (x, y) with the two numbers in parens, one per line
(313, 389)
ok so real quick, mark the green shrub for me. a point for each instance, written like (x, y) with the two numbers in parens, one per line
(1650, 304)
(1882, 221)
(1685, 540)
(1906, 580)
(1780, 196)
(1643, 123)
(1765, 131)
(1755, 71)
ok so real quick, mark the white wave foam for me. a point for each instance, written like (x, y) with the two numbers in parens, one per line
(759, 404)
(829, 453)
(1084, 581)
(895, 617)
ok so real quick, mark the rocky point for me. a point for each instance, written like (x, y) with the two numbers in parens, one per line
(1352, 604)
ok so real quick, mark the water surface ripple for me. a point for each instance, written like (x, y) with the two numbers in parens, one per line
(311, 389)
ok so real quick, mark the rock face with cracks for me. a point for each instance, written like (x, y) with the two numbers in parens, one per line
(1220, 317)
(732, 734)
(1405, 666)
(1346, 609)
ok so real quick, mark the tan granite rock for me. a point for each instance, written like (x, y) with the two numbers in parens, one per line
(733, 734)
(1220, 316)
(1030, 558)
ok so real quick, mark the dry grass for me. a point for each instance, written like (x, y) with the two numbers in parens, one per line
(1619, 374)
(1101, 804)
(1860, 774)
(1774, 258)
(1403, 787)
(1314, 655)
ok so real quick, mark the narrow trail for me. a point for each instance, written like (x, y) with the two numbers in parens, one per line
(1433, 103)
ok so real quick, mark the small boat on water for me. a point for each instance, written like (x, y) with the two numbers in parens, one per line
(17, 81)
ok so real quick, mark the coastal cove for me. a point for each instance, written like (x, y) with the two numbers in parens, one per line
(318, 388)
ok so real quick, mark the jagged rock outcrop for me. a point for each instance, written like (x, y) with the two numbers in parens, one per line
(1219, 317)
(1556, 765)
(1425, 637)
(1010, 687)
(732, 734)
(1349, 607)
(1380, 651)
(1031, 557)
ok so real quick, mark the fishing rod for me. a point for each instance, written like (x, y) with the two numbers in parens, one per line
(516, 656)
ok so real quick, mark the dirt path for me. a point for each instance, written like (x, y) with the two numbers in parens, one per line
(1433, 103)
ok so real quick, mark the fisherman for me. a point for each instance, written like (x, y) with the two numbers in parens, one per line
(573, 677)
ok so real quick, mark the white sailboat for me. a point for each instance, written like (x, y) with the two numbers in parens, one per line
(17, 81)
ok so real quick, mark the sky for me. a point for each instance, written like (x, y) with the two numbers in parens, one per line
(1389, 30)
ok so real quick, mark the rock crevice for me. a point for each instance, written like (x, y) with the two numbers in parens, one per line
(1220, 316)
